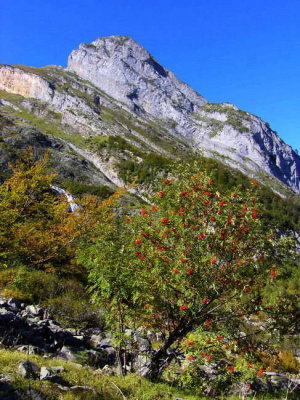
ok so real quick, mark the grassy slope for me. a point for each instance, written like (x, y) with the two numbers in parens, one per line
(131, 387)
(109, 388)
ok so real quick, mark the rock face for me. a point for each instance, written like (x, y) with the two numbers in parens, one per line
(17, 81)
(127, 72)
(114, 87)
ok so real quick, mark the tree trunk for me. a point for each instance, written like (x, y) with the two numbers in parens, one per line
(161, 359)
(157, 364)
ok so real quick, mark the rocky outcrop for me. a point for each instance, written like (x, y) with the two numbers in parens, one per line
(254, 151)
(15, 80)
(29, 329)
(63, 160)
(127, 72)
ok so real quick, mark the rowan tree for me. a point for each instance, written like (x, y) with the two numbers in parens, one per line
(194, 258)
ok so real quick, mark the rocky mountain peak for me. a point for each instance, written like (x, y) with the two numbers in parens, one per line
(126, 71)
(127, 47)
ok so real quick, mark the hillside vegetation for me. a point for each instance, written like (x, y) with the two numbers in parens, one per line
(75, 264)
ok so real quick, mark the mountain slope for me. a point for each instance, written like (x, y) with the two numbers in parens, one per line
(114, 87)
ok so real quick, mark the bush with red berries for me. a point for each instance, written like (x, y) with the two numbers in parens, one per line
(193, 258)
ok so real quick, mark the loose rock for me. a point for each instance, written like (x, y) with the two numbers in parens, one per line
(48, 374)
(28, 369)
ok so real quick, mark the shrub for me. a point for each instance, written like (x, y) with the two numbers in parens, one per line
(190, 259)
(36, 228)
(77, 189)
(145, 171)
(33, 286)
(74, 310)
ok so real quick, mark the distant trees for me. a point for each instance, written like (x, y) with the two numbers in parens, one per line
(35, 227)
(38, 235)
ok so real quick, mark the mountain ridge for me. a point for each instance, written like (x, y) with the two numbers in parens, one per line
(114, 86)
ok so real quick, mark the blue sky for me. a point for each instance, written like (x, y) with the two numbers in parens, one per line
(241, 51)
